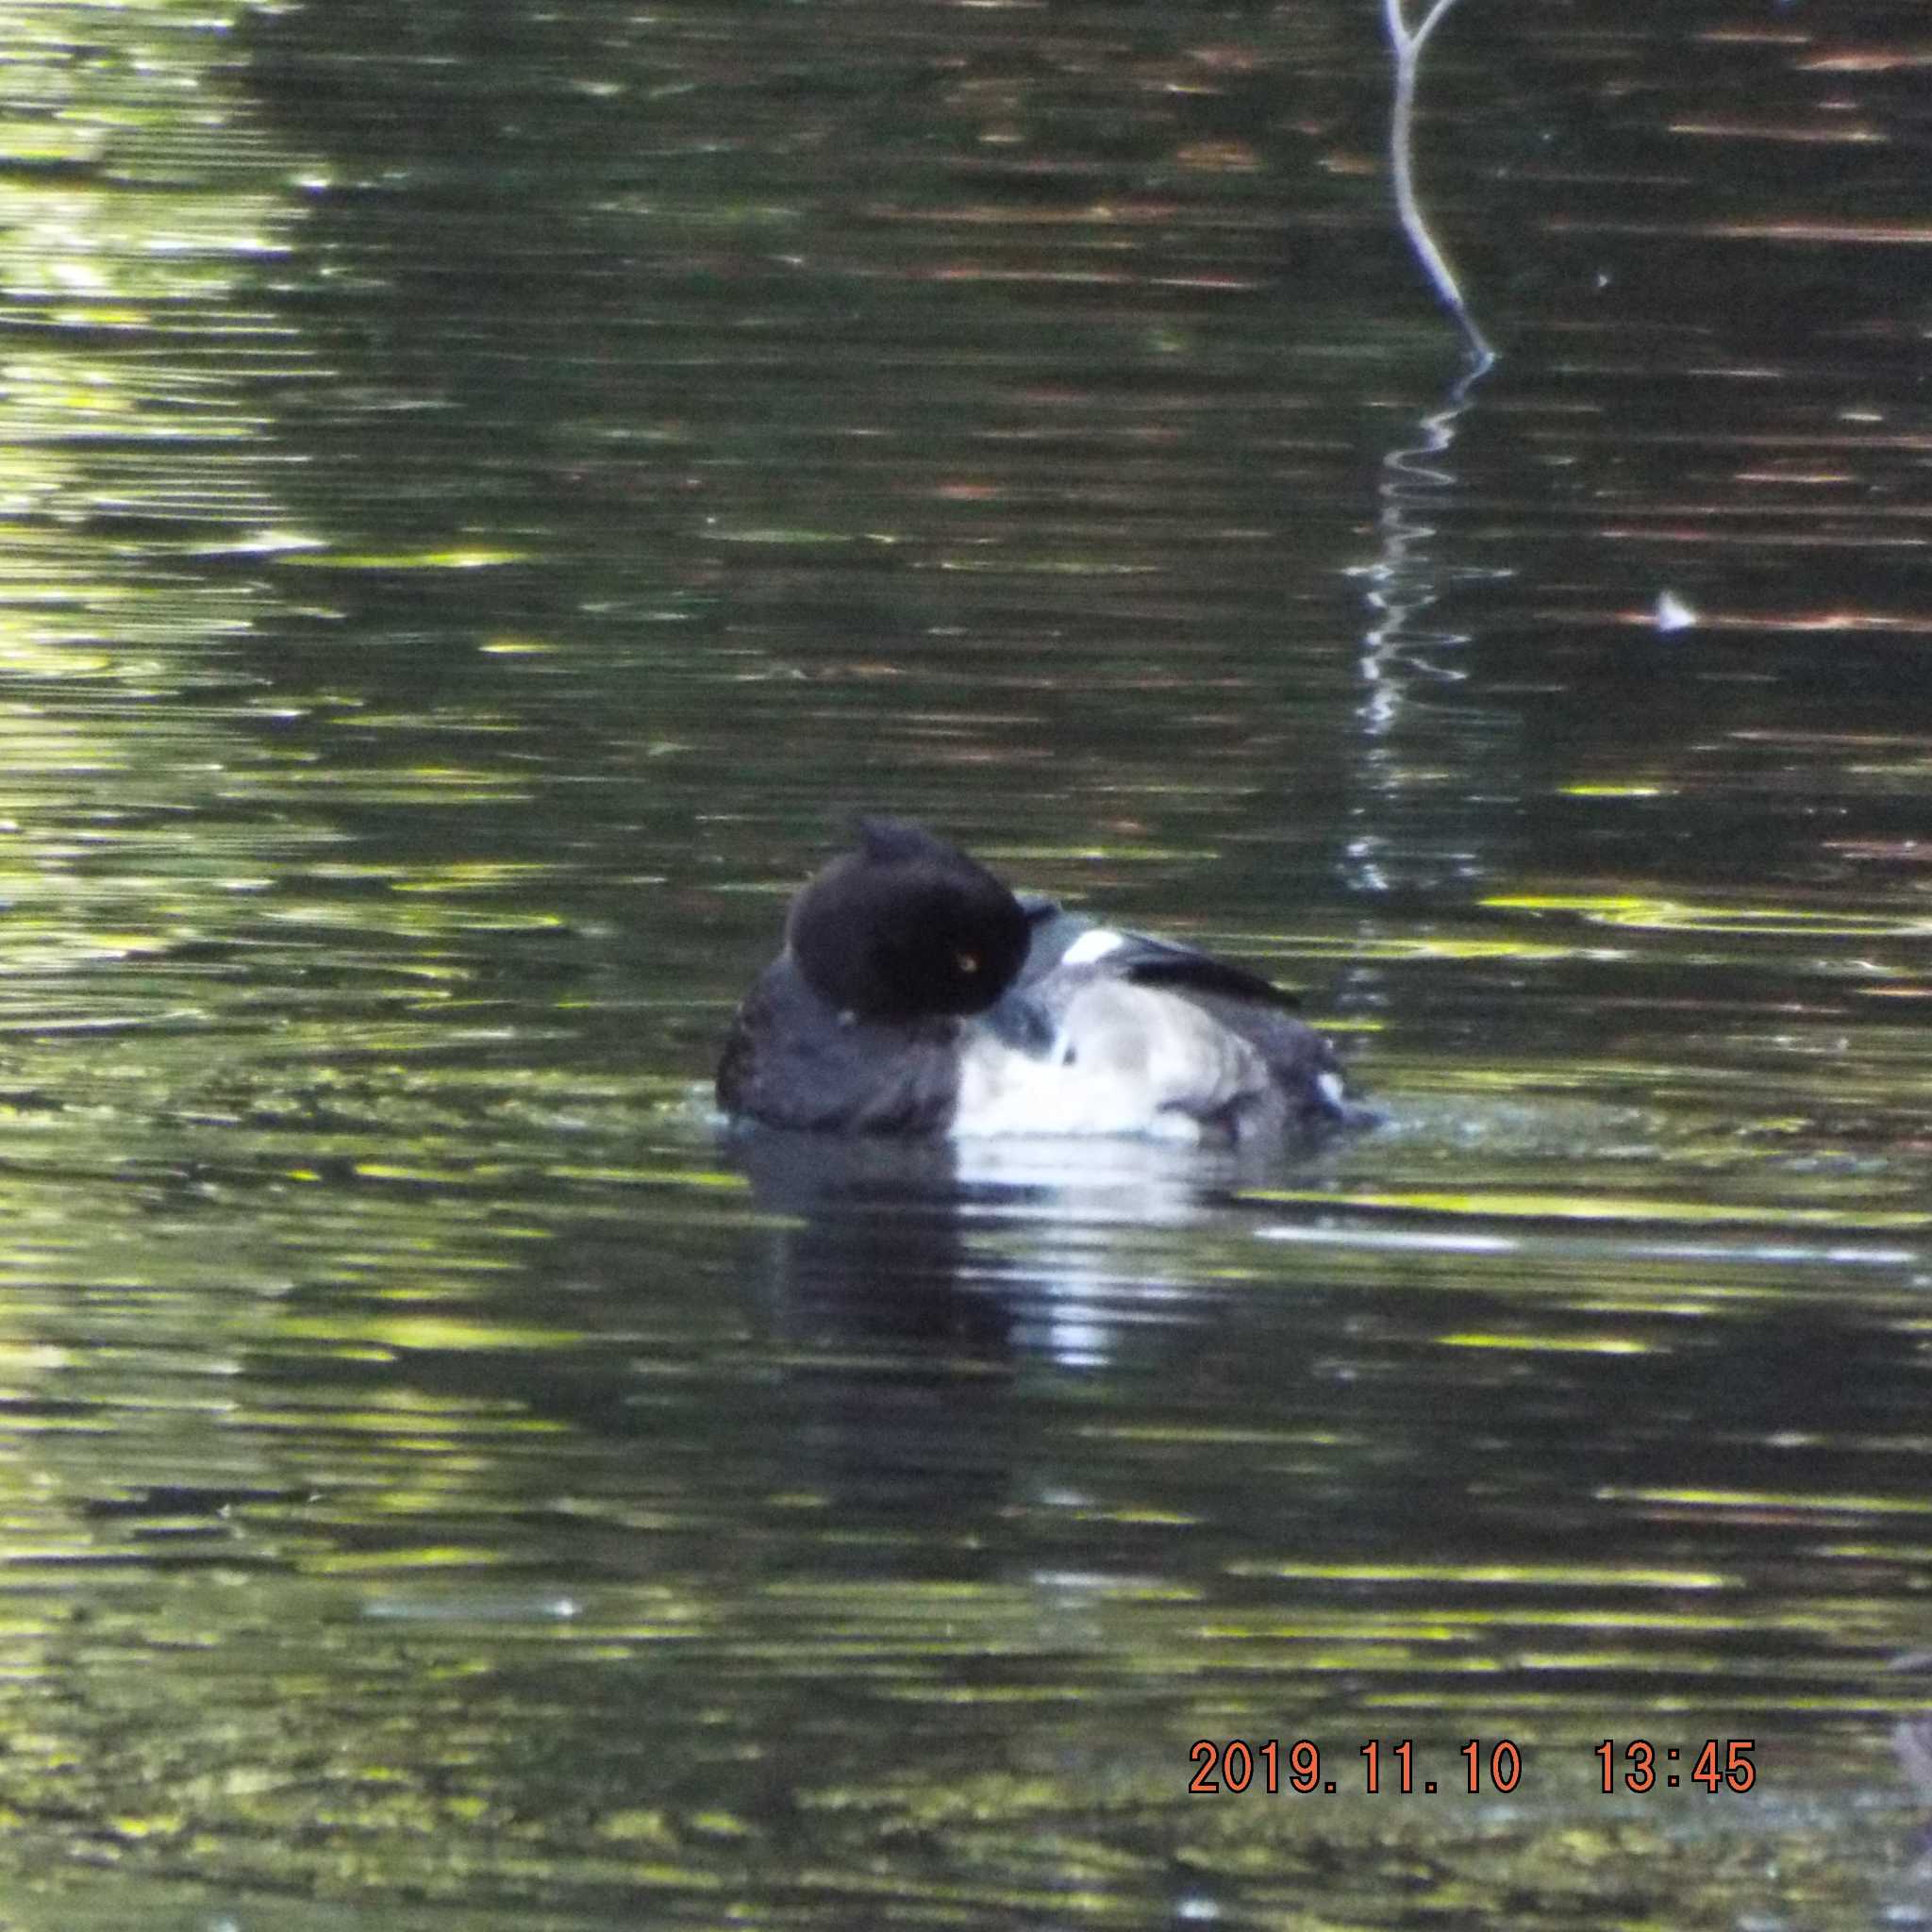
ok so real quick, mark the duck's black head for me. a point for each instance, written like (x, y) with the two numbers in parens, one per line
(906, 928)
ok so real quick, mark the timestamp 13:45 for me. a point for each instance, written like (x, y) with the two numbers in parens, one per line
(1238, 1766)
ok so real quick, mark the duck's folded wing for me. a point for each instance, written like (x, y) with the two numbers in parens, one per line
(1061, 938)
(1179, 969)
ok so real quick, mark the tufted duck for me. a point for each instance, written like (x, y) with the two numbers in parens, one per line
(917, 995)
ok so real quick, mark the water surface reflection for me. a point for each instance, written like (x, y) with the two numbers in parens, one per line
(482, 499)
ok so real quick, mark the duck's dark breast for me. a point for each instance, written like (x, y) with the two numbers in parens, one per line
(790, 1061)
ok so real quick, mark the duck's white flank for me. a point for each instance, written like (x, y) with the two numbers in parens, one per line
(1127, 1059)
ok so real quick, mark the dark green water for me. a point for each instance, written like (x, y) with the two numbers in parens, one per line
(486, 489)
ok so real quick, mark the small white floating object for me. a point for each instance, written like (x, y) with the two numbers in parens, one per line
(1673, 613)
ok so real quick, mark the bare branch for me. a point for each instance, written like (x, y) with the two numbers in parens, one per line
(1407, 48)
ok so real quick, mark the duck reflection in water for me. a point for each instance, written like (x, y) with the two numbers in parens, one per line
(911, 1285)
(1039, 1248)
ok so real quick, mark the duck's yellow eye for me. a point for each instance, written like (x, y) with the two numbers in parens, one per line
(967, 962)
